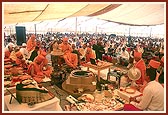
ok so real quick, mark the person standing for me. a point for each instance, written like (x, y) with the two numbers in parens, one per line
(100, 51)
(124, 57)
(75, 51)
(31, 43)
(140, 64)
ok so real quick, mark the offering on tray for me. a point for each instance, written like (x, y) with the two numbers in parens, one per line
(130, 90)
(26, 82)
(86, 98)
(109, 102)
(29, 86)
(108, 93)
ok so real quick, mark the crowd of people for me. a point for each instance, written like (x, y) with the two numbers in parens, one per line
(144, 53)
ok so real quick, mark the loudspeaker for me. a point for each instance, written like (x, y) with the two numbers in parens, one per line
(20, 35)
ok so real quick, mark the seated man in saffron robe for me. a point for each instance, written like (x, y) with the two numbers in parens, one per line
(70, 58)
(90, 53)
(46, 69)
(13, 54)
(20, 61)
(35, 70)
(65, 46)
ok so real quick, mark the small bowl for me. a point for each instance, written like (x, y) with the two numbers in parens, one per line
(93, 83)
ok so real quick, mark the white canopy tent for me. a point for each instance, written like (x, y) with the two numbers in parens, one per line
(138, 19)
(136, 14)
(90, 25)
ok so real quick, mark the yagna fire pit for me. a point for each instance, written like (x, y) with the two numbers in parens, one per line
(80, 82)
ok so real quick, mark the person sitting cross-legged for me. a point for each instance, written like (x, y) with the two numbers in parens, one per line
(20, 61)
(152, 98)
(71, 59)
(35, 70)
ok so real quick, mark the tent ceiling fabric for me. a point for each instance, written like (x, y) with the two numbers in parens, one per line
(131, 14)
(55, 11)
(18, 13)
(95, 9)
(136, 14)
(107, 9)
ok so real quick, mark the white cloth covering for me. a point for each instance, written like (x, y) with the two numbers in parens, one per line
(50, 105)
(153, 97)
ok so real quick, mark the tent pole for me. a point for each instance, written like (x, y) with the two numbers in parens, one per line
(76, 26)
(80, 30)
(35, 29)
(129, 30)
(10, 30)
(150, 32)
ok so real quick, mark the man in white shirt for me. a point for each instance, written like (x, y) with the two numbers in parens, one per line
(8, 49)
(24, 51)
(152, 98)
(140, 48)
(124, 57)
(124, 54)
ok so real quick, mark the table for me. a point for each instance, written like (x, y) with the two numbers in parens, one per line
(50, 105)
(98, 67)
